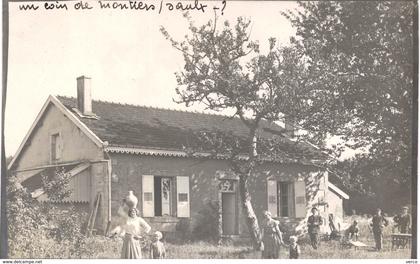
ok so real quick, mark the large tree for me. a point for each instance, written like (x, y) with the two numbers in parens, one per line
(225, 70)
(362, 55)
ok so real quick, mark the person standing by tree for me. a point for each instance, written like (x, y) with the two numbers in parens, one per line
(272, 237)
(378, 224)
(403, 221)
(314, 223)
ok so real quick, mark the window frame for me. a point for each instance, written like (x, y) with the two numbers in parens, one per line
(172, 186)
(174, 196)
(285, 202)
(55, 155)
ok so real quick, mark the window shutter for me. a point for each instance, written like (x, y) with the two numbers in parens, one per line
(291, 199)
(272, 197)
(300, 201)
(183, 196)
(148, 196)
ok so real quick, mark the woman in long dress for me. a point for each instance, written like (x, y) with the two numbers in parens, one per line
(132, 232)
(272, 237)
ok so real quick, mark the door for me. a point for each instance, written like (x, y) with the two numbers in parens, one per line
(229, 214)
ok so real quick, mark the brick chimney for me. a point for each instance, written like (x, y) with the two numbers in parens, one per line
(84, 97)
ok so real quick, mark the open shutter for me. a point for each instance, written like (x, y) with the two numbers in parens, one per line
(148, 195)
(300, 201)
(272, 197)
(291, 199)
(183, 196)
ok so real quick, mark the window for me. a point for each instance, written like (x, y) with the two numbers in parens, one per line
(55, 147)
(286, 199)
(183, 197)
(165, 196)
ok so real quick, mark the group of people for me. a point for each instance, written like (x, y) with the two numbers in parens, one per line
(402, 221)
(273, 238)
(135, 227)
(132, 232)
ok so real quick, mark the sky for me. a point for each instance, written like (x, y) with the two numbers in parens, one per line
(123, 52)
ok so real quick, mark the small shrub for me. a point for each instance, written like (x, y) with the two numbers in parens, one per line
(43, 230)
(184, 231)
(206, 226)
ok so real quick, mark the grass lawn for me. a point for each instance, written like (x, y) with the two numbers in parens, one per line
(100, 247)
(110, 248)
(204, 250)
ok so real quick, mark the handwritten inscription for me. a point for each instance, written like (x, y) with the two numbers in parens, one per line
(126, 5)
(184, 7)
(55, 5)
(157, 7)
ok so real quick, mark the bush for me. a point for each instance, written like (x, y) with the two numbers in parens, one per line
(206, 226)
(42, 229)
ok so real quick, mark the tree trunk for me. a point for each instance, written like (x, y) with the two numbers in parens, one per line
(251, 218)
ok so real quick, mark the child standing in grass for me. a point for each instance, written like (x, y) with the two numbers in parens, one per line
(157, 249)
(294, 249)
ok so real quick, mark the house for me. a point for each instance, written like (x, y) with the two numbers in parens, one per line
(111, 148)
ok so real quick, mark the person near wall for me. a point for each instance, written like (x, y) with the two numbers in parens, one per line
(157, 248)
(132, 231)
(334, 226)
(272, 237)
(314, 224)
(403, 221)
(378, 224)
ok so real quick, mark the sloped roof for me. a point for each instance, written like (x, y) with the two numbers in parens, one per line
(139, 126)
(338, 190)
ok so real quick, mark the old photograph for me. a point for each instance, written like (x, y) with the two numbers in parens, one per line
(165, 129)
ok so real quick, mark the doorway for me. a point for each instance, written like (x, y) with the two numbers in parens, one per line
(229, 214)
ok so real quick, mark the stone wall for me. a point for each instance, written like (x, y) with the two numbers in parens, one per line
(204, 176)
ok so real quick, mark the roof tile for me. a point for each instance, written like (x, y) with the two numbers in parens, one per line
(141, 126)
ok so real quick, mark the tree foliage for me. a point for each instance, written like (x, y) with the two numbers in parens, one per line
(226, 70)
(362, 56)
(44, 229)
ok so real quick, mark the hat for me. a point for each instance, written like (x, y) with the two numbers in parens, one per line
(405, 207)
(314, 208)
(158, 235)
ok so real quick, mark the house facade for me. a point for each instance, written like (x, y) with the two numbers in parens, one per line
(110, 148)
